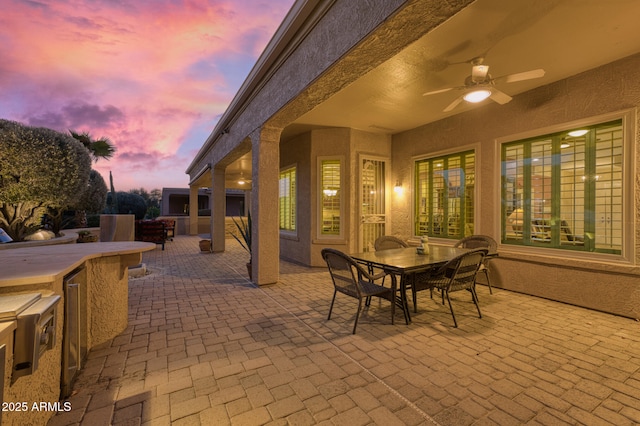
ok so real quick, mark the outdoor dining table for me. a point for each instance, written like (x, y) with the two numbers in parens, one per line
(405, 263)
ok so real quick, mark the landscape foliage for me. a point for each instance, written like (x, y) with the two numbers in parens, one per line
(41, 171)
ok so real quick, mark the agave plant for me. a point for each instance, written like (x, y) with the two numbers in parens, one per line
(244, 229)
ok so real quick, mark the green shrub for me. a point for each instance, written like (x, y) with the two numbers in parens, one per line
(93, 220)
(152, 212)
(41, 171)
(129, 203)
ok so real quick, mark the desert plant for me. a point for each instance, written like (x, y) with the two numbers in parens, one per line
(244, 229)
(112, 199)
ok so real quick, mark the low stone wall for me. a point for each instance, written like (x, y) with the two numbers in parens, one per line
(68, 237)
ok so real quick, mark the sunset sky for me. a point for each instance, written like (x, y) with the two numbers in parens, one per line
(153, 76)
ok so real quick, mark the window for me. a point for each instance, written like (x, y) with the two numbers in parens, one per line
(444, 195)
(330, 197)
(564, 190)
(287, 199)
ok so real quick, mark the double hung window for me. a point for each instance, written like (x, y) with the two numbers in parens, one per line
(564, 190)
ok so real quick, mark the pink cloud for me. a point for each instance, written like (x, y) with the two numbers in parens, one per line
(144, 74)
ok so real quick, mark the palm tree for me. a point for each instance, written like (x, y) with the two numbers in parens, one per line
(98, 148)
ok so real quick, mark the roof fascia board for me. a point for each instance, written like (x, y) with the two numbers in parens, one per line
(301, 19)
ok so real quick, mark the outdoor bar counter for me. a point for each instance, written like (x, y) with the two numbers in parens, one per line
(101, 272)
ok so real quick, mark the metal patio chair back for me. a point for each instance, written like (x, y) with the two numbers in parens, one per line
(387, 242)
(457, 274)
(353, 280)
(481, 241)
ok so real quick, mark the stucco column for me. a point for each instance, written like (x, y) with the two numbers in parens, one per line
(265, 235)
(218, 209)
(193, 210)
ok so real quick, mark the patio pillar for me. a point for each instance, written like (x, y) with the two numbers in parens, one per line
(193, 209)
(265, 242)
(218, 209)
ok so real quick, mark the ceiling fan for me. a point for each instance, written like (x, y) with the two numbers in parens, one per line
(480, 85)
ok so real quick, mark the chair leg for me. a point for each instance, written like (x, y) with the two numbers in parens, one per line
(474, 296)
(331, 307)
(455, 323)
(393, 306)
(486, 274)
(357, 315)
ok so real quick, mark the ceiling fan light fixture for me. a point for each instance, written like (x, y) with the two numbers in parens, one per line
(578, 133)
(477, 95)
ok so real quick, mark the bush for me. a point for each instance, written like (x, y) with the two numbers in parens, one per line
(129, 203)
(94, 199)
(93, 220)
(152, 212)
(41, 171)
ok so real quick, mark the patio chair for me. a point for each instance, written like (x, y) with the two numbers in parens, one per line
(353, 280)
(387, 242)
(481, 241)
(151, 231)
(457, 274)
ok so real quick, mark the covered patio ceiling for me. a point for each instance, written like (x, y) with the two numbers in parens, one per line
(563, 37)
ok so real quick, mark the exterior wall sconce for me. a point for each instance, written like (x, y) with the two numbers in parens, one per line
(398, 188)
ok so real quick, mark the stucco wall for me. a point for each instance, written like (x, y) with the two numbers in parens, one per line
(108, 296)
(604, 90)
(348, 145)
(295, 245)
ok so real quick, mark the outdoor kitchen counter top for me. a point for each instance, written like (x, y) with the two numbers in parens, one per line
(35, 265)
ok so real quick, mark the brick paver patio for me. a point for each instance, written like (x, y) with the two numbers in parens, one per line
(204, 346)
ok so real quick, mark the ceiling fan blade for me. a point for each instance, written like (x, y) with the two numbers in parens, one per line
(500, 97)
(453, 104)
(521, 76)
(438, 91)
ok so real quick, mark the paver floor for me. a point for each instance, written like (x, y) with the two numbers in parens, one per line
(204, 346)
